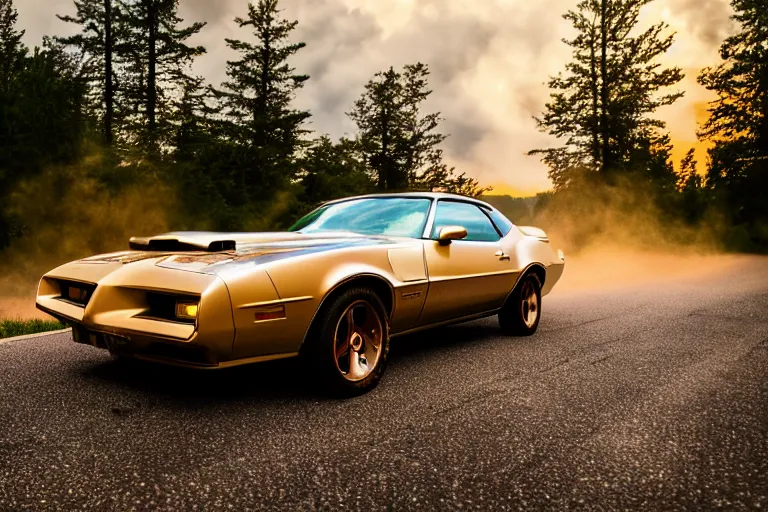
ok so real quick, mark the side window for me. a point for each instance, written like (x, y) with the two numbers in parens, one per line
(503, 223)
(478, 225)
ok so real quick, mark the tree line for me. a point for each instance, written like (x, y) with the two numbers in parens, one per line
(602, 108)
(123, 88)
(123, 85)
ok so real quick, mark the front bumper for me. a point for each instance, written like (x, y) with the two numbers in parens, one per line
(115, 317)
(147, 347)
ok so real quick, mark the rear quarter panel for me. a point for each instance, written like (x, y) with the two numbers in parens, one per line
(525, 251)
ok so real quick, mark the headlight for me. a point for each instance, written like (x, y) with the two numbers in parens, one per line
(77, 294)
(186, 310)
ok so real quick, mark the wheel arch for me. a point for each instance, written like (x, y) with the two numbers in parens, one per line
(380, 286)
(534, 268)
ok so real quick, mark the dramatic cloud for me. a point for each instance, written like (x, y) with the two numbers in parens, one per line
(489, 61)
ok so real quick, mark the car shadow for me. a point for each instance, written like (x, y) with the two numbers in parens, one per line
(275, 381)
(443, 339)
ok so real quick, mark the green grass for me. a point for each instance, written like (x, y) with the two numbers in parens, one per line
(10, 328)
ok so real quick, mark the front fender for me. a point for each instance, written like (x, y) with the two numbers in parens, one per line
(300, 285)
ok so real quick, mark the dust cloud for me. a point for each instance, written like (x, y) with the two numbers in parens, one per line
(609, 267)
(628, 235)
(73, 212)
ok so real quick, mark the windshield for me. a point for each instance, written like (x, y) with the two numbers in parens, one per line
(388, 216)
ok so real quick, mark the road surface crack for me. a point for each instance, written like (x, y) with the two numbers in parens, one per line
(573, 326)
(477, 397)
(597, 361)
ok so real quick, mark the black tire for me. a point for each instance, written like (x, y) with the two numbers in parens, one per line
(321, 351)
(515, 316)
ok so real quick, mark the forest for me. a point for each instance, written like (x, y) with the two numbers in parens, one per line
(109, 133)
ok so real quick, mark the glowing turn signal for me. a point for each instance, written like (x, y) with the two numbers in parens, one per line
(186, 310)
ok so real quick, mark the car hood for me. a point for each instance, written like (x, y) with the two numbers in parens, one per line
(197, 250)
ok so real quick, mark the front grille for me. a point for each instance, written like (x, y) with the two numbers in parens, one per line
(75, 292)
(117, 344)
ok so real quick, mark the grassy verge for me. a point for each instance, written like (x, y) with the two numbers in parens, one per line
(10, 328)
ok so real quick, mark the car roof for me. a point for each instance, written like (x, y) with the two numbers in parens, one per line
(425, 195)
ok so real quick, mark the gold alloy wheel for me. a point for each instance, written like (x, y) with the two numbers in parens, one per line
(358, 341)
(529, 302)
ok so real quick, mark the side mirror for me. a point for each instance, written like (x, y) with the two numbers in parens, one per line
(449, 233)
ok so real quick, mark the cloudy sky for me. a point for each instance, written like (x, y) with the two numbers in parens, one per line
(490, 60)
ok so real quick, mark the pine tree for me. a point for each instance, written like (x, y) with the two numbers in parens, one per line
(192, 118)
(96, 44)
(399, 143)
(381, 123)
(689, 176)
(157, 62)
(738, 123)
(693, 198)
(12, 63)
(423, 140)
(12, 51)
(258, 96)
(602, 105)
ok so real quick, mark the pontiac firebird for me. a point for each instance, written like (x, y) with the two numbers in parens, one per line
(334, 288)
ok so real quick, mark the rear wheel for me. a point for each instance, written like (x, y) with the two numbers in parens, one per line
(521, 313)
(351, 346)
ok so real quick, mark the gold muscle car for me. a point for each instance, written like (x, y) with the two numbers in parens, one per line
(334, 288)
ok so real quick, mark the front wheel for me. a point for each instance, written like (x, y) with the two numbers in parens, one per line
(521, 313)
(351, 349)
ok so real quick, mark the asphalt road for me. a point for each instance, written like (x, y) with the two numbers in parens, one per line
(645, 396)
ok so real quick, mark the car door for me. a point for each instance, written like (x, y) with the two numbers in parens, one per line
(468, 276)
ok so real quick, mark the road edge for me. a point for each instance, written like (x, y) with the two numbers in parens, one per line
(32, 336)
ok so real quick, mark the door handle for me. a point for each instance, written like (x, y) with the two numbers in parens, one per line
(502, 256)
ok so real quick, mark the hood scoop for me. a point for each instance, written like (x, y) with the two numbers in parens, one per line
(180, 244)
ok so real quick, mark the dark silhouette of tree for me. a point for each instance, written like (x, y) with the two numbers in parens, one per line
(602, 105)
(398, 141)
(95, 42)
(257, 99)
(693, 196)
(192, 117)
(689, 178)
(12, 51)
(738, 124)
(156, 62)
(381, 123)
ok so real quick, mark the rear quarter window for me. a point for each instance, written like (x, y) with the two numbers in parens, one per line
(503, 224)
